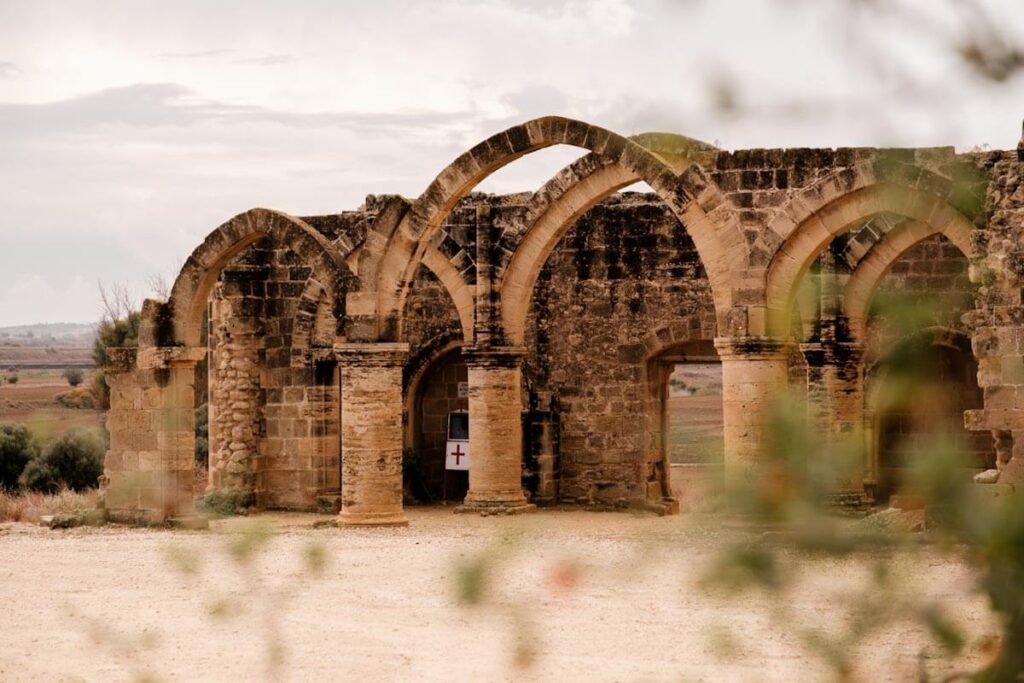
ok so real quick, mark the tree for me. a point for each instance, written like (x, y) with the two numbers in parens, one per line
(16, 449)
(74, 376)
(73, 460)
(118, 328)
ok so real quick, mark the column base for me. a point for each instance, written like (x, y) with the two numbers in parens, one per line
(510, 504)
(372, 519)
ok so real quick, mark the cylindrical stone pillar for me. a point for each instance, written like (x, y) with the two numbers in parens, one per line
(371, 434)
(495, 430)
(754, 378)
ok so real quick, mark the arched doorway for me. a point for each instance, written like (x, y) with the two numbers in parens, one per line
(920, 403)
(437, 393)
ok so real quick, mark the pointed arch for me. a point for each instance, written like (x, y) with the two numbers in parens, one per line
(875, 265)
(192, 287)
(689, 192)
(806, 240)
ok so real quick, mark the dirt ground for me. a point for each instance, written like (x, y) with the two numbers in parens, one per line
(593, 596)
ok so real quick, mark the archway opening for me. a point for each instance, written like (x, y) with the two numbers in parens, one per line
(920, 411)
(686, 385)
(923, 373)
(438, 423)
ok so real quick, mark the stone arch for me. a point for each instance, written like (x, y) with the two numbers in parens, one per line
(458, 289)
(804, 241)
(689, 192)
(874, 266)
(881, 405)
(555, 208)
(935, 335)
(313, 324)
(193, 285)
(412, 373)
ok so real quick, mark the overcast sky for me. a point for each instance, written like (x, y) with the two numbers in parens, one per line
(130, 130)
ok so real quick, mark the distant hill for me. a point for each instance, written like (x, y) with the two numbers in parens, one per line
(25, 357)
(48, 334)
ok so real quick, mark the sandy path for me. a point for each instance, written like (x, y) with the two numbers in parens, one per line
(384, 611)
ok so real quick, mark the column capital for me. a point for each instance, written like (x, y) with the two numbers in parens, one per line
(832, 353)
(159, 357)
(371, 355)
(120, 360)
(752, 348)
(494, 356)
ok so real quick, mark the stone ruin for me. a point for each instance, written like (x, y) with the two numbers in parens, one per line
(335, 346)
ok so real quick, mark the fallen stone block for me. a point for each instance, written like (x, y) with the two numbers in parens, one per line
(987, 477)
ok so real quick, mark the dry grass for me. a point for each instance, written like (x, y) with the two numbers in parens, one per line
(28, 506)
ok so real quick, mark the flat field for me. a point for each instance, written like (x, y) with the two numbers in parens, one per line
(570, 595)
(31, 402)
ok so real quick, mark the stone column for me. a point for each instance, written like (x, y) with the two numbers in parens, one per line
(835, 393)
(234, 404)
(495, 430)
(754, 378)
(371, 434)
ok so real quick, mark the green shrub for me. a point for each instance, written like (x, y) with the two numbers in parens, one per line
(119, 330)
(13, 379)
(16, 449)
(226, 503)
(78, 399)
(73, 460)
(74, 376)
(115, 332)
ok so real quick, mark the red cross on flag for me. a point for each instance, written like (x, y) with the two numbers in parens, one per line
(456, 455)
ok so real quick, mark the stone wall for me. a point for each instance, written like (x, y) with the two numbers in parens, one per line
(234, 396)
(932, 277)
(274, 411)
(623, 290)
(626, 274)
(998, 340)
(931, 417)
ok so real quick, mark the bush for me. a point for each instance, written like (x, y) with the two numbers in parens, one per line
(116, 332)
(78, 399)
(119, 330)
(74, 376)
(73, 460)
(16, 449)
(227, 503)
(13, 379)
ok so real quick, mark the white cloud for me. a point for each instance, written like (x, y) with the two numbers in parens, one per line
(33, 298)
(141, 127)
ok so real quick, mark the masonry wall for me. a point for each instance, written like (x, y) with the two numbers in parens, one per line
(625, 273)
(624, 284)
(235, 400)
(933, 277)
(274, 412)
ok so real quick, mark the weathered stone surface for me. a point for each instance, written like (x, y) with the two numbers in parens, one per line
(371, 428)
(565, 304)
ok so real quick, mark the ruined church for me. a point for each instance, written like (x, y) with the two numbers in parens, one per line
(546, 333)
